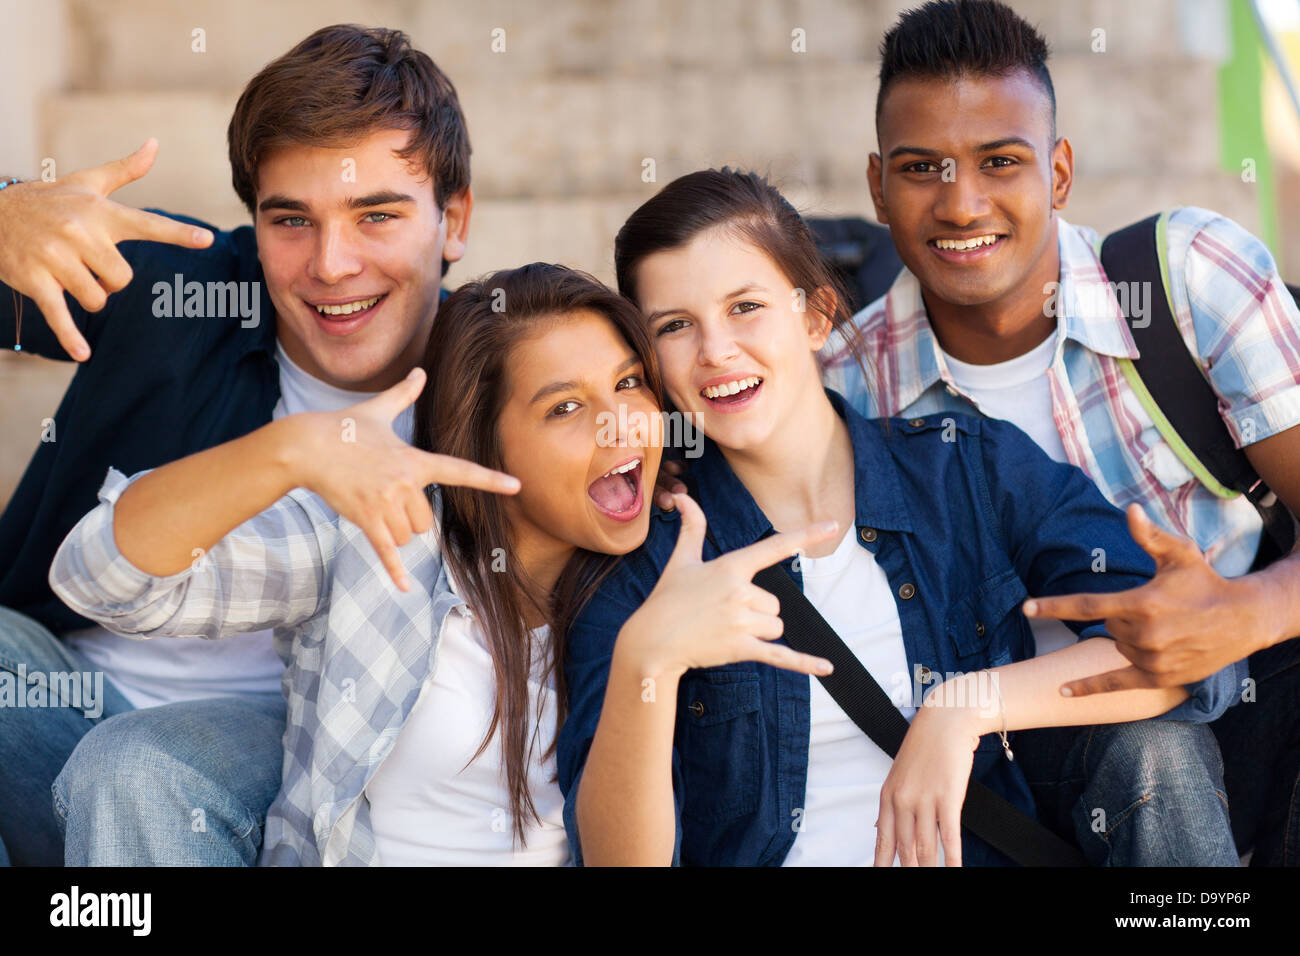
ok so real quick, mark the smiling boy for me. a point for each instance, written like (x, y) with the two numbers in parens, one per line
(996, 313)
(351, 153)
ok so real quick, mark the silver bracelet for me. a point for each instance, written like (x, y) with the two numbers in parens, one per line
(1006, 747)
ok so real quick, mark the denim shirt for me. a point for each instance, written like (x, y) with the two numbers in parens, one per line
(967, 517)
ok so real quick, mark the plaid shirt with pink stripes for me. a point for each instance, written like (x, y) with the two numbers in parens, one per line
(1236, 317)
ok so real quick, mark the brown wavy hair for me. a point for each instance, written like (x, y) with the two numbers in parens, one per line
(457, 414)
(341, 84)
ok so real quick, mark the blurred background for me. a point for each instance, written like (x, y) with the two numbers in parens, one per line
(1164, 101)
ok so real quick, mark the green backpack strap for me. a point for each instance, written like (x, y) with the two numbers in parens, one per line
(1169, 382)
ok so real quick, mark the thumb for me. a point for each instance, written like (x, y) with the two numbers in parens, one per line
(690, 540)
(393, 401)
(1164, 547)
(112, 176)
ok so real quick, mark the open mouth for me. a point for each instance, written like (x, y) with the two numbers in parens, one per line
(346, 317)
(733, 395)
(617, 493)
(970, 249)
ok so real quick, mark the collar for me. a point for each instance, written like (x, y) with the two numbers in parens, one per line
(735, 520)
(1087, 313)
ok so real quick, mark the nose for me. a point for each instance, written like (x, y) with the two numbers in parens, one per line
(717, 344)
(961, 201)
(335, 256)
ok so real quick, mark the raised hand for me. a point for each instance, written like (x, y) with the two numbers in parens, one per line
(709, 613)
(1183, 625)
(63, 236)
(355, 461)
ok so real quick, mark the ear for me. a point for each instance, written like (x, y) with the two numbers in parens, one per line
(875, 182)
(1062, 172)
(820, 307)
(457, 213)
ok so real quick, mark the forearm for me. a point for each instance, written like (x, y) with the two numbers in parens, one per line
(625, 804)
(172, 515)
(1030, 692)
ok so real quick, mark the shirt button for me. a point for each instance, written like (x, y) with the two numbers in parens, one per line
(697, 708)
(917, 422)
(868, 535)
(979, 628)
(906, 591)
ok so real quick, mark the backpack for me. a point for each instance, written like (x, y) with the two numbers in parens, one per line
(1168, 380)
(1170, 384)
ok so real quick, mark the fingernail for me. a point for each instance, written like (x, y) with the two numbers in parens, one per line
(825, 667)
(1031, 607)
(81, 353)
(1066, 692)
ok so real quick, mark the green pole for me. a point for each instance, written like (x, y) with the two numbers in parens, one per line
(1241, 114)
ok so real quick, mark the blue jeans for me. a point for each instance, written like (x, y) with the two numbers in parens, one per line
(184, 783)
(1143, 793)
(1260, 740)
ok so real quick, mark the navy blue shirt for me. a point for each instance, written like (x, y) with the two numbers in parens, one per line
(967, 517)
(155, 389)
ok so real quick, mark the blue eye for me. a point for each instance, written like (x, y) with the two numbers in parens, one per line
(387, 216)
(285, 221)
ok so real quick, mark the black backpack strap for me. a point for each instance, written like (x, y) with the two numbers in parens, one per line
(1173, 379)
(986, 814)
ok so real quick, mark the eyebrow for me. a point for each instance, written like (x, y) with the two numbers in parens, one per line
(555, 387)
(748, 287)
(385, 197)
(982, 148)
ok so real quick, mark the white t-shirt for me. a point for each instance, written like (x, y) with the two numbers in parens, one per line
(1017, 391)
(845, 767)
(430, 804)
(171, 669)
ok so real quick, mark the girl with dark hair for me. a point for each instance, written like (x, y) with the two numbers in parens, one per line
(945, 525)
(421, 717)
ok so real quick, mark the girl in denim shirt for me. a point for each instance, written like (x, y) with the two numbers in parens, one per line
(694, 736)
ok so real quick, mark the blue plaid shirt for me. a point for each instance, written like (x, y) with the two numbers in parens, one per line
(358, 650)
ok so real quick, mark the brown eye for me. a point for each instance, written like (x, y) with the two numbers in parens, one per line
(564, 408)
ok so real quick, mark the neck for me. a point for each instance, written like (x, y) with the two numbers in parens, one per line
(805, 472)
(542, 563)
(998, 331)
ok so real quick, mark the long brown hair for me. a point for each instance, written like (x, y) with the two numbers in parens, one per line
(457, 414)
(755, 210)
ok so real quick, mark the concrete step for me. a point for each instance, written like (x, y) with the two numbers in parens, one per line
(623, 37)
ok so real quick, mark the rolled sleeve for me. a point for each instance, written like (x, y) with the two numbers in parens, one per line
(269, 571)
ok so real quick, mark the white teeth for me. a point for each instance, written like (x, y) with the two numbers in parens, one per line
(962, 244)
(621, 469)
(347, 308)
(731, 388)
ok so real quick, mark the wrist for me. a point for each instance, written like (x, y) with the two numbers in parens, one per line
(966, 704)
(642, 655)
(287, 444)
(1269, 605)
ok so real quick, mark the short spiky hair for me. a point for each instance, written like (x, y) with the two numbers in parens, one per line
(954, 38)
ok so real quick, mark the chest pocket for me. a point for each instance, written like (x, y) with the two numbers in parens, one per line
(718, 740)
(1161, 462)
(986, 626)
